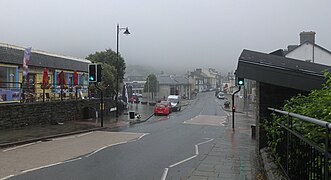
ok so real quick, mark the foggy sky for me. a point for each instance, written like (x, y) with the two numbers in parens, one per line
(174, 34)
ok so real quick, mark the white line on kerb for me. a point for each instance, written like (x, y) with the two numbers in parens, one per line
(164, 175)
(180, 162)
(94, 152)
(165, 172)
(143, 135)
(7, 177)
(85, 134)
(41, 167)
(24, 145)
(58, 163)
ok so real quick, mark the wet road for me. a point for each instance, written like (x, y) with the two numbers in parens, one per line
(171, 148)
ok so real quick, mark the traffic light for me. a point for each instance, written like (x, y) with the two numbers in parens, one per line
(240, 81)
(99, 73)
(92, 73)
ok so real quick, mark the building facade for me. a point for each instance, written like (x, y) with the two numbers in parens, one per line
(11, 78)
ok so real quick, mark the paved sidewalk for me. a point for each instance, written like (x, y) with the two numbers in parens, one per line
(27, 134)
(232, 155)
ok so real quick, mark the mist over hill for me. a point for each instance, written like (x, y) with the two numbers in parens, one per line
(145, 70)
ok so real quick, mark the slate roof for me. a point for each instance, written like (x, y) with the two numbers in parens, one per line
(135, 78)
(10, 54)
(171, 80)
(181, 80)
(280, 70)
(136, 84)
(166, 80)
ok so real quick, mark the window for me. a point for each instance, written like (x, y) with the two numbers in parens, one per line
(8, 76)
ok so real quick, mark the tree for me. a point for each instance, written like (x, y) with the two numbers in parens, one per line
(108, 61)
(317, 104)
(151, 84)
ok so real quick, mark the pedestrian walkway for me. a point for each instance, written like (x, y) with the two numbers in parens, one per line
(232, 155)
(30, 133)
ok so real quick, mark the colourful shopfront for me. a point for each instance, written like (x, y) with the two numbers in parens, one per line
(10, 90)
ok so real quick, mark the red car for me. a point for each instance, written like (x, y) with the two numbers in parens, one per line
(163, 107)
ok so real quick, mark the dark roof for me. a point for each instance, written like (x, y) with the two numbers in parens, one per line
(281, 71)
(135, 78)
(14, 55)
(181, 79)
(278, 52)
(136, 84)
(166, 80)
(171, 80)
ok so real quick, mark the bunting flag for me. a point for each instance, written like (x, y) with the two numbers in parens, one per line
(125, 94)
(26, 59)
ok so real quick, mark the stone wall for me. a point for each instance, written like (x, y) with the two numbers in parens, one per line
(24, 114)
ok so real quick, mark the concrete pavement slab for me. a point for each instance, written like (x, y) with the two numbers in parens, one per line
(232, 155)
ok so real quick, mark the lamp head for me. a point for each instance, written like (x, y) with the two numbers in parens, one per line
(126, 32)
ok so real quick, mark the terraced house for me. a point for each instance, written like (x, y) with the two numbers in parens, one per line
(11, 70)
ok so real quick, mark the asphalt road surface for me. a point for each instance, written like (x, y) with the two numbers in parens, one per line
(165, 147)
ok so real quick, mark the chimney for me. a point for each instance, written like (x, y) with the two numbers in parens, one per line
(307, 36)
(291, 47)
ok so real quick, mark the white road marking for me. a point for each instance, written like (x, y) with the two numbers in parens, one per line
(24, 145)
(124, 142)
(204, 123)
(85, 134)
(165, 172)
(180, 162)
(41, 167)
(49, 165)
(7, 177)
(63, 138)
(164, 175)
(207, 120)
(73, 136)
(94, 152)
(71, 160)
(33, 168)
(142, 136)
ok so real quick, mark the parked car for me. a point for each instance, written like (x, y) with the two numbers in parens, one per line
(168, 103)
(162, 108)
(220, 95)
(176, 102)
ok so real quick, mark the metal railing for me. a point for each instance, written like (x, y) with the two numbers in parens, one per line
(299, 157)
(33, 92)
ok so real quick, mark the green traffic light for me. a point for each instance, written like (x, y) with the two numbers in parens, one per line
(240, 81)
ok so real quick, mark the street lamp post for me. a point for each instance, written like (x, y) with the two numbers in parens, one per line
(118, 29)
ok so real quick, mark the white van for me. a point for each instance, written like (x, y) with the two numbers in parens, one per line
(176, 102)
